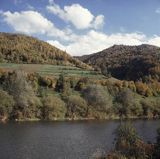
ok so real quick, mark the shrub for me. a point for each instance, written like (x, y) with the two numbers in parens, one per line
(128, 143)
(98, 97)
(156, 153)
(115, 155)
(25, 99)
(77, 106)
(126, 103)
(147, 107)
(63, 86)
(6, 104)
(141, 88)
(99, 154)
(53, 108)
(151, 106)
(81, 84)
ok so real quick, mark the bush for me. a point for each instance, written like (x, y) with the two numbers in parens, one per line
(98, 97)
(142, 89)
(99, 154)
(115, 155)
(151, 107)
(63, 86)
(53, 108)
(126, 103)
(77, 106)
(129, 144)
(6, 104)
(26, 102)
(156, 153)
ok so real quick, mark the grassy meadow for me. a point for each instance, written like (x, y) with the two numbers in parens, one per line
(52, 70)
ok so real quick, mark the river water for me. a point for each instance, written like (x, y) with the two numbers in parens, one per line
(64, 140)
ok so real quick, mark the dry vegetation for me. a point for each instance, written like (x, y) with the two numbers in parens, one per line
(127, 62)
(18, 48)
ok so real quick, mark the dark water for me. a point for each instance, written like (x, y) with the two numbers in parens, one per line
(64, 140)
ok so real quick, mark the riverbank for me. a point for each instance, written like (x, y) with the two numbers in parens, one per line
(4, 120)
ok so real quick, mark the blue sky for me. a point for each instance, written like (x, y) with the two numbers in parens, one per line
(84, 26)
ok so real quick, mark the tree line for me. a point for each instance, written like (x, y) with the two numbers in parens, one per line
(31, 96)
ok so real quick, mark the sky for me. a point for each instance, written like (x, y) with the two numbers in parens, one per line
(82, 27)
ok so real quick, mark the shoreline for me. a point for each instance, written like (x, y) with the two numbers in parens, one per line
(81, 119)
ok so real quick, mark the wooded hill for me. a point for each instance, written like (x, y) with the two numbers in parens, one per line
(126, 62)
(18, 48)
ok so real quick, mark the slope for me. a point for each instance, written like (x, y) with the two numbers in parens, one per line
(126, 62)
(18, 48)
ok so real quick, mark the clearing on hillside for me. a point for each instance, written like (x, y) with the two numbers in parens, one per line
(52, 70)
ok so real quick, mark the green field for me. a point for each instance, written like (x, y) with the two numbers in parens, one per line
(52, 70)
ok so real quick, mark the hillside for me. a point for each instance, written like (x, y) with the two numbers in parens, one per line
(18, 48)
(126, 62)
(52, 70)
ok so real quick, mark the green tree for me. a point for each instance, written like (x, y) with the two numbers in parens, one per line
(63, 86)
(60, 83)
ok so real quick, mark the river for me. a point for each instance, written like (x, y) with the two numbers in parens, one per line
(64, 140)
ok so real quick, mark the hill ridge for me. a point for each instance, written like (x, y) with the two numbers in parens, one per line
(125, 62)
(20, 48)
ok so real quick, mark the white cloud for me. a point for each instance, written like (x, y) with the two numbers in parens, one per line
(79, 16)
(95, 41)
(32, 22)
(158, 11)
(57, 44)
(99, 21)
(28, 22)
(154, 41)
